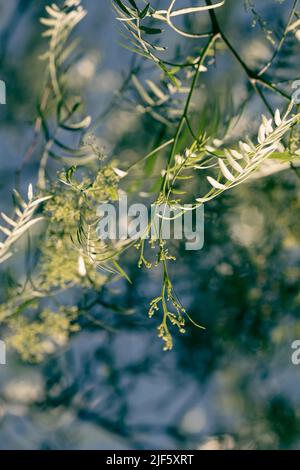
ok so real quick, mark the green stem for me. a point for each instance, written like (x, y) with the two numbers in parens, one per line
(186, 108)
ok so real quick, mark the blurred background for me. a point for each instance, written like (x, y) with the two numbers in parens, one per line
(112, 387)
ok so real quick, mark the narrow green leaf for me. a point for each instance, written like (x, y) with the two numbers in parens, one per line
(133, 4)
(148, 30)
(144, 12)
(122, 6)
(121, 271)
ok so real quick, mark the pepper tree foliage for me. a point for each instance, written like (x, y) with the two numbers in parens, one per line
(197, 160)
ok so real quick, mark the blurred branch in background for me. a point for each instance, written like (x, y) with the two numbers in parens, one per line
(11, 26)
